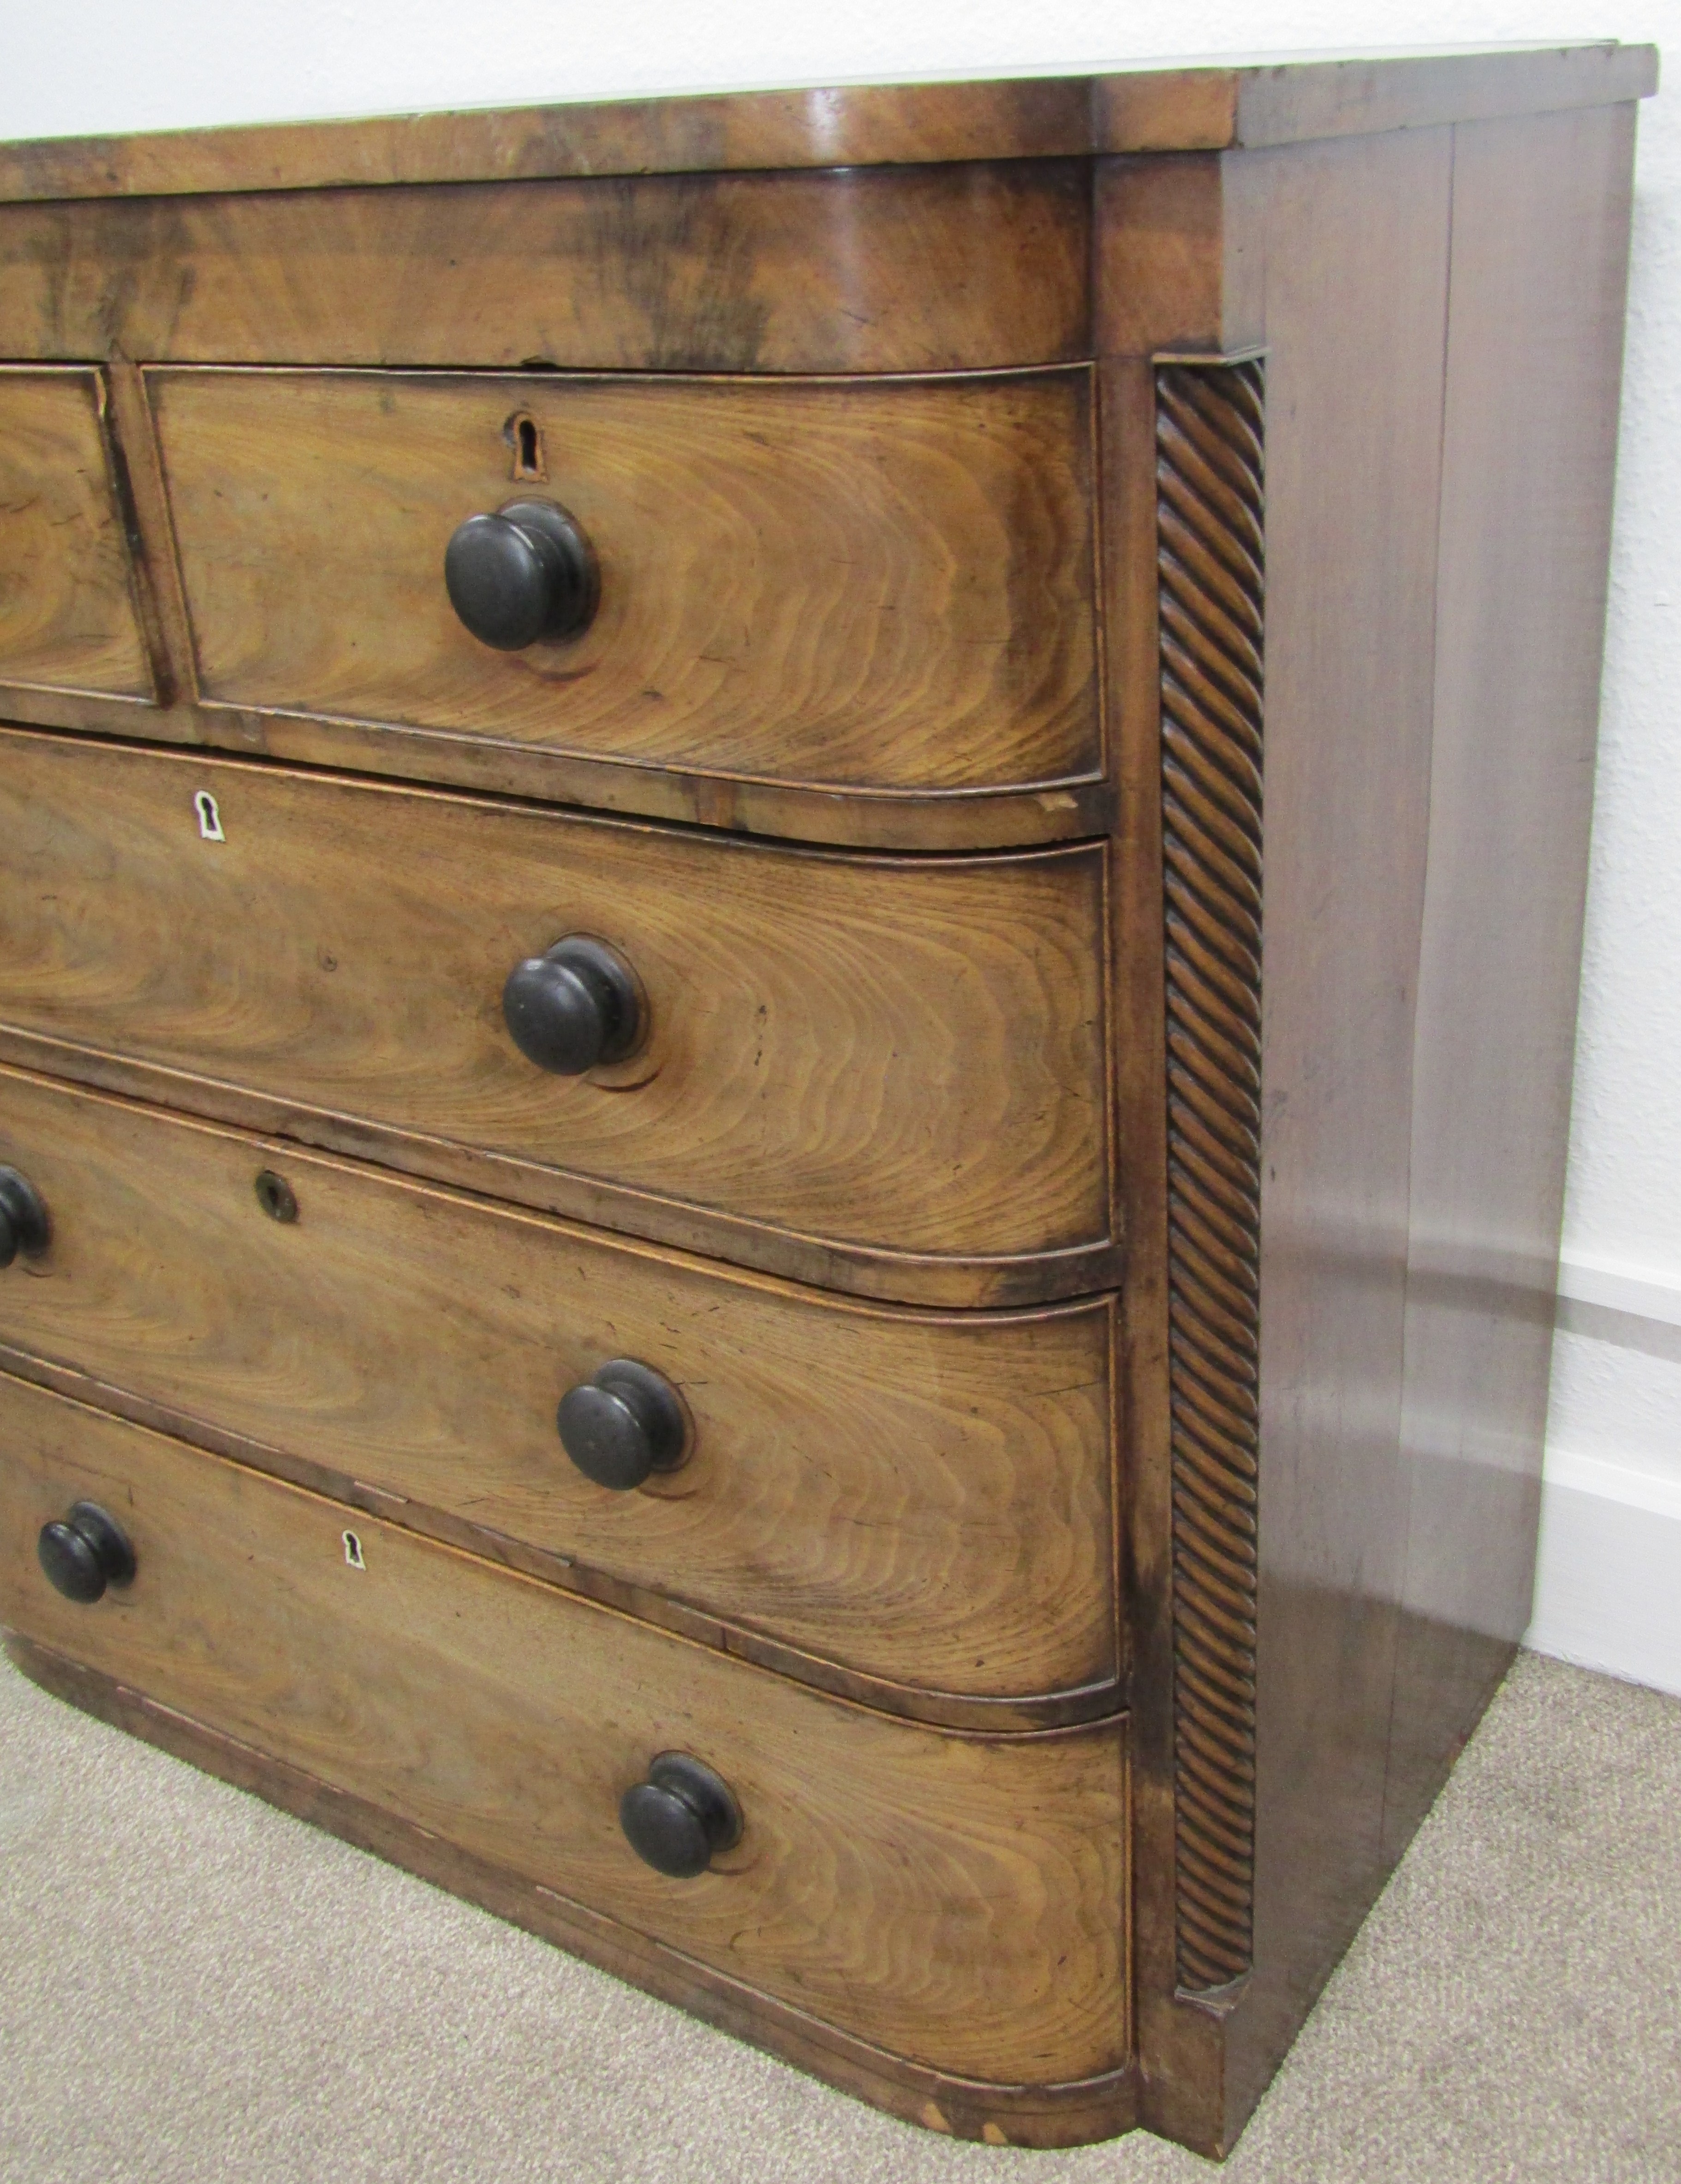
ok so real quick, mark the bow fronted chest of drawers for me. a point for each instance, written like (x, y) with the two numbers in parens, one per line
(791, 896)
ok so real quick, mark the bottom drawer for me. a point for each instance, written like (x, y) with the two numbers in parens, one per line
(957, 1900)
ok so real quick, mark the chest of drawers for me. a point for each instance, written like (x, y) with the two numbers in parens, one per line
(788, 945)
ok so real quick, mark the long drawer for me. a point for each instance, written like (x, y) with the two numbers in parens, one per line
(887, 1075)
(921, 1500)
(832, 584)
(959, 1901)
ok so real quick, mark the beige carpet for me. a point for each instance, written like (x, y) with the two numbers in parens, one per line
(197, 1989)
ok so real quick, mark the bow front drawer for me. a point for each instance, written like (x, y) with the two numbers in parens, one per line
(959, 1901)
(914, 1506)
(883, 1074)
(880, 587)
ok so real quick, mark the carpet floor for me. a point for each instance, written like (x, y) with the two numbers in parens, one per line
(198, 1990)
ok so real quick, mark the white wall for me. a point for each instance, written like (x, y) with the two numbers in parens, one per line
(1610, 1588)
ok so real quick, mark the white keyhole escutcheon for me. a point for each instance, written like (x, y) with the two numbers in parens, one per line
(353, 1551)
(210, 819)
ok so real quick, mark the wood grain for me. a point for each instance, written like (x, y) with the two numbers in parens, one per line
(849, 126)
(1145, 109)
(1355, 238)
(133, 447)
(1047, 2115)
(863, 269)
(959, 819)
(949, 1028)
(1178, 272)
(837, 585)
(1311, 96)
(886, 1075)
(1183, 2039)
(1344, 244)
(1408, 675)
(67, 612)
(1211, 563)
(924, 1499)
(957, 1901)
(1536, 302)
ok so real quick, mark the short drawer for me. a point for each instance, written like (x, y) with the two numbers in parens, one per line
(67, 612)
(883, 1074)
(957, 1901)
(880, 587)
(912, 1504)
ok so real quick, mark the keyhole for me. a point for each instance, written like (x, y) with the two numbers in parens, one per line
(210, 819)
(277, 1197)
(528, 445)
(353, 1551)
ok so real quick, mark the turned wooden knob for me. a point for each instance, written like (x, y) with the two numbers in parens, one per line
(680, 1816)
(576, 1006)
(86, 1552)
(524, 574)
(24, 1226)
(625, 1423)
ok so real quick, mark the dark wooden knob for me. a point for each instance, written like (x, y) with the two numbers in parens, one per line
(24, 1226)
(85, 1553)
(679, 1818)
(524, 574)
(576, 1006)
(622, 1424)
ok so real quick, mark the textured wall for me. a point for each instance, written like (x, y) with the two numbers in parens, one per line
(105, 64)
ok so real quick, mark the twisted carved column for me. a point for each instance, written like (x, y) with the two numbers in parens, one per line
(1211, 563)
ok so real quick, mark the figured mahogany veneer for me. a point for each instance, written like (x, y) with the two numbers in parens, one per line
(67, 614)
(879, 586)
(887, 1075)
(401, 1345)
(956, 1900)
(1214, 107)
(971, 266)
(1057, 719)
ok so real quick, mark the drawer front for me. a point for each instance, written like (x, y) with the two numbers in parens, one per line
(949, 266)
(921, 1499)
(67, 612)
(877, 1073)
(959, 1901)
(874, 585)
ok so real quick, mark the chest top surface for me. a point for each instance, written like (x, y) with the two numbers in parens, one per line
(1183, 106)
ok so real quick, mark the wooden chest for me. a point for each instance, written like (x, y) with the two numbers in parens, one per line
(791, 898)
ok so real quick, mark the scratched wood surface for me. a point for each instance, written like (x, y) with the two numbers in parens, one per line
(956, 1900)
(834, 584)
(883, 269)
(883, 1074)
(67, 612)
(1149, 109)
(924, 1498)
